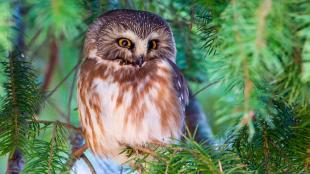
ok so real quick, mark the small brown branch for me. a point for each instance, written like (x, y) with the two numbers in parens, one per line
(263, 12)
(76, 155)
(205, 87)
(248, 84)
(57, 109)
(51, 154)
(159, 144)
(51, 64)
(71, 95)
(297, 57)
(88, 163)
(220, 166)
(63, 80)
(145, 150)
(33, 39)
(67, 125)
(266, 150)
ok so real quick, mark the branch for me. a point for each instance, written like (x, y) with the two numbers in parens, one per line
(266, 150)
(16, 161)
(67, 125)
(51, 64)
(63, 80)
(57, 109)
(71, 94)
(76, 155)
(51, 154)
(248, 84)
(145, 150)
(205, 87)
(88, 163)
(263, 12)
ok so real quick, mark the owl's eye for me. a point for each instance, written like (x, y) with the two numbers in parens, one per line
(152, 45)
(125, 43)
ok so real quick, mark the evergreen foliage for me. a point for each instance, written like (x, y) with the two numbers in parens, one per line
(19, 105)
(256, 53)
(49, 156)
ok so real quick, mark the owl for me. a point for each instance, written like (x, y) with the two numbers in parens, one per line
(130, 91)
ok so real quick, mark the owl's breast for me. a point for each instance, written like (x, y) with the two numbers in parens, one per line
(129, 106)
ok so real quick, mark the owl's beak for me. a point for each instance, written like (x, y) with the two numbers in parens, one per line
(139, 61)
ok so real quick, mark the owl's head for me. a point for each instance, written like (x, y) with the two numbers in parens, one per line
(130, 37)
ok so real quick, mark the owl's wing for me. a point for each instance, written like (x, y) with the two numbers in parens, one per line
(180, 85)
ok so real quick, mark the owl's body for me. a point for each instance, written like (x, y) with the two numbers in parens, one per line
(130, 95)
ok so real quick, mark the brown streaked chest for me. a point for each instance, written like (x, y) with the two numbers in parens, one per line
(139, 101)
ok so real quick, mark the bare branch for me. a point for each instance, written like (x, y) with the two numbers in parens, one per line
(71, 95)
(57, 109)
(76, 155)
(67, 125)
(205, 87)
(63, 80)
(88, 163)
(53, 60)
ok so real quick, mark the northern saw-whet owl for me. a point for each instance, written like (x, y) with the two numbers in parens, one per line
(130, 91)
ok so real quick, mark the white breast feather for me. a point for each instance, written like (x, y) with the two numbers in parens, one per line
(113, 118)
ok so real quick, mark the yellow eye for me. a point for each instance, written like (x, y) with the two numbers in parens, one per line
(152, 44)
(123, 42)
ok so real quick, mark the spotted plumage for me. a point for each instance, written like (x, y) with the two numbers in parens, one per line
(130, 92)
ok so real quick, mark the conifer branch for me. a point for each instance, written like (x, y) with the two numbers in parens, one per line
(67, 125)
(75, 155)
(51, 152)
(88, 163)
(266, 150)
(246, 72)
(53, 60)
(263, 12)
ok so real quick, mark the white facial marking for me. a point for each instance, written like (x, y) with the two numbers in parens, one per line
(92, 53)
(140, 44)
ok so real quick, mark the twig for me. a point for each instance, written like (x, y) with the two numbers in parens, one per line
(248, 84)
(263, 12)
(67, 125)
(51, 155)
(56, 108)
(33, 39)
(145, 150)
(88, 163)
(63, 80)
(159, 144)
(71, 95)
(53, 59)
(220, 166)
(76, 155)
(80, 151)
(205, 87)
(266, 150)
